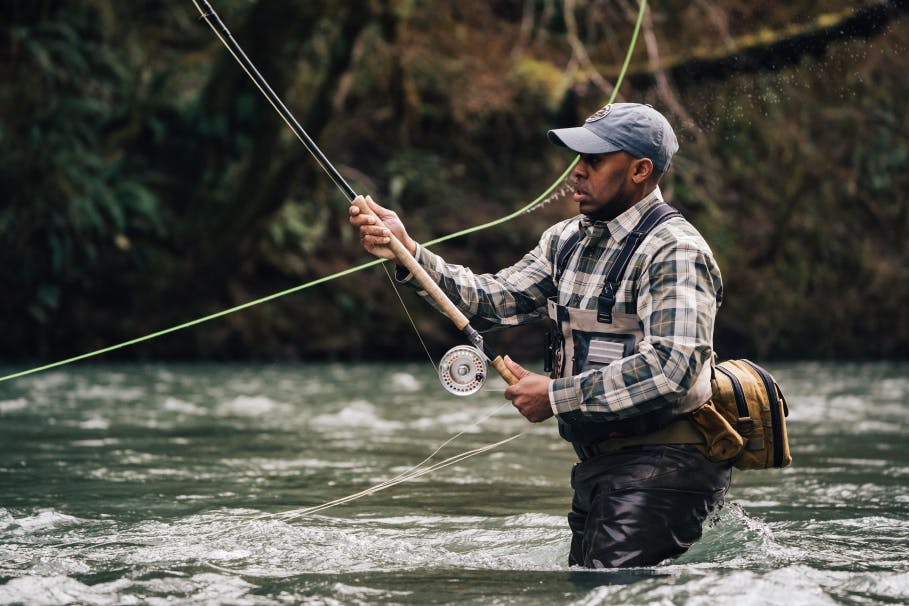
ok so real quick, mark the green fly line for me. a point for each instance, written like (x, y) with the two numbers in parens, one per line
(539, 200)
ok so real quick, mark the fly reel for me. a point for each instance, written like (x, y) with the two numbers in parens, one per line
(462, 370)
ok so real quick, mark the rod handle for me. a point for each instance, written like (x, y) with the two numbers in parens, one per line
(404, 258)
(499, 365)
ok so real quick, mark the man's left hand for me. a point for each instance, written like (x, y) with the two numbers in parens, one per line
(530, 395)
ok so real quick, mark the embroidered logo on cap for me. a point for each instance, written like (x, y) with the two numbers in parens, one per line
(599, 114)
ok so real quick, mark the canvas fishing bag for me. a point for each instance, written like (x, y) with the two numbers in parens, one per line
(745, 418)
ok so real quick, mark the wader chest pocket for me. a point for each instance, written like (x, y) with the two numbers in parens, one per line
(595, 350)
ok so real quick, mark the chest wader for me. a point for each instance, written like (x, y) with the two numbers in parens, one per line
(585, 339)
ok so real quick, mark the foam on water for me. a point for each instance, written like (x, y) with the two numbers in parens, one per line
(177, 405)
(356, 414)
(405, 382)
(249, 406)
(41, 520)
(13, 405)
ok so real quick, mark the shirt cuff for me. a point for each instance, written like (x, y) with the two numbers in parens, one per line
(564, 395)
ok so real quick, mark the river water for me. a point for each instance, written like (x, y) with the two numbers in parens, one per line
(153, 484)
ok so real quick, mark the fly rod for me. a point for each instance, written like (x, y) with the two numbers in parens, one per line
(463, 369)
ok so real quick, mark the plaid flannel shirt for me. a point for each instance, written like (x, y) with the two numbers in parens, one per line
(672, 283)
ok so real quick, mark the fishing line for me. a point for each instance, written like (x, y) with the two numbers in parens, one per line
(394, 287)
(196, 322)
(224, 35)
(292, 515)
(297, 514)
(543, 198)
(411, 473)
(547, 196)
(554, 191)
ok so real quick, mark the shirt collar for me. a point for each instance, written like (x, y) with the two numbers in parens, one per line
(624, 224)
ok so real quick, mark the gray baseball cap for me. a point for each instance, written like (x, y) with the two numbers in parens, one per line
(637, 129)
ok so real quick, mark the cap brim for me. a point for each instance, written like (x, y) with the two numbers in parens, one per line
(581, 140)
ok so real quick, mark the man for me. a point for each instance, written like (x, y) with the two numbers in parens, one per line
(632, 290)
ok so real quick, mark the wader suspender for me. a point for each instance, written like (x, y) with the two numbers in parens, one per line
(657, 214)
(565, 251)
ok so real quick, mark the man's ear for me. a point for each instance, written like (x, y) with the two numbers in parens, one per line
(642, 169)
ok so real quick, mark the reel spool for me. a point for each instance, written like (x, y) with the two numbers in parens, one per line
(462, 370)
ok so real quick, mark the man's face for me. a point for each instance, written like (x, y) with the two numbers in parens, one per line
(604, 184)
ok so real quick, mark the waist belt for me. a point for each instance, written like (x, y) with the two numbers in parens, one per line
(677, 432)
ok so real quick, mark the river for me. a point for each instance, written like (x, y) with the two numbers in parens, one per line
(164, 483)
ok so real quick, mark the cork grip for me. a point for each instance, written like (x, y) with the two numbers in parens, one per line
(404, 258)
(499, 365)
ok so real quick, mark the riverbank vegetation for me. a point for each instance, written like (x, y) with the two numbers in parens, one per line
(145, 181)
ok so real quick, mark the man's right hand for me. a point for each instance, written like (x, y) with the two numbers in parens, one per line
(530, 395)
(375, 234)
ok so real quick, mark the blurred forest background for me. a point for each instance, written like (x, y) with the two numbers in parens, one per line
(145, 182)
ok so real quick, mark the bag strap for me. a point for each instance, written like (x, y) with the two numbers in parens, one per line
(657, 214)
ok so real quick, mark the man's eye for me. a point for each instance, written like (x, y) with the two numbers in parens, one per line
(591, 160)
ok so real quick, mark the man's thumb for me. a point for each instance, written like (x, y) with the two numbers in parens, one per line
(516, 369)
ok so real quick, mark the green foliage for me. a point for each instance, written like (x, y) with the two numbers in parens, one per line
(73, 197)
(146, 182)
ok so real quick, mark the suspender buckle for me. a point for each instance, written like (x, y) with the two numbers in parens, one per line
(605, 302)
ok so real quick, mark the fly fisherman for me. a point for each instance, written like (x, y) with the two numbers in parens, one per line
(631, 289)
